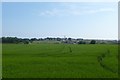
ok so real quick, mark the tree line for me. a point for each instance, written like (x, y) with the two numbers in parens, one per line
(27, 40)
(14, 40)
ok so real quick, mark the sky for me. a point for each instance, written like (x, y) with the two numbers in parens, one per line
(88, 20)
(59, 0)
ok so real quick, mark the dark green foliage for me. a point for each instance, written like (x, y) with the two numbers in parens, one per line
(81, 42)
(61, 40)
(15, 40)
(93, 42)
(69, 39)
(33, 39)
(58, 39)
(26, 42)
(11, 40)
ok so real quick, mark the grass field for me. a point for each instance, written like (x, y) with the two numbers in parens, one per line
(60, 61)
(0, 60)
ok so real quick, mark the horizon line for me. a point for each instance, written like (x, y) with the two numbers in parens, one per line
(62, 37)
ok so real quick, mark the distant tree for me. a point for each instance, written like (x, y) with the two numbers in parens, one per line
(40, 39)
(81, 42)
(0, 40)
(10, 40)
(47, 38)
(14, 40)
(33, 39)
(54, 38)
(69, 39)
(50, 38)
(58, 39)
(26, 42)
(118, 41)
(93, 42)
(79, 39)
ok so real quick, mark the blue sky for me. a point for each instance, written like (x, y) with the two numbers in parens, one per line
(90, 20)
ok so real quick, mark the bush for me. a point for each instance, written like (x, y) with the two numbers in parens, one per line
(81, 42)
(93, 42)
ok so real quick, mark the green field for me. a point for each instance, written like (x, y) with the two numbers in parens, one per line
(0, 60)
(60, 61)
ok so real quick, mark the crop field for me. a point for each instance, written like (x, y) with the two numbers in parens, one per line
(0, 60)
(60, 61)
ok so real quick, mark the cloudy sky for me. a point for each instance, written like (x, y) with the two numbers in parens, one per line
(93, 20)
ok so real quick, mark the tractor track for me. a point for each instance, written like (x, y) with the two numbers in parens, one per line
(100, 60)
(70, 50)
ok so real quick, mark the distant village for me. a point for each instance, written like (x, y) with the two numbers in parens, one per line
(56, 40)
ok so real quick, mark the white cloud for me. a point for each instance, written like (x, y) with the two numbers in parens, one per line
(52, 12)
(74, 12)
(73, 9)
(100, 10)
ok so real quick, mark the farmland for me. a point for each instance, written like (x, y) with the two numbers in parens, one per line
(60, 61)
(0, 60)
